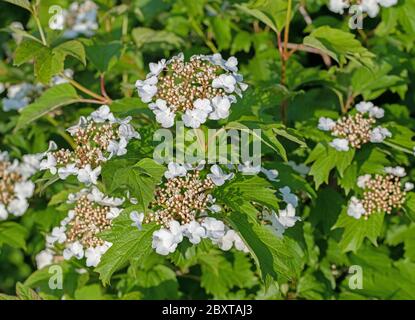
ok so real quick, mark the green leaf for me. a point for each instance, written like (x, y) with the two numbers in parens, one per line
(144, 36)
(72, 48)
(356, 230)
(275, 257)
(140, 179)
(254, 189)
(128, 243)
(26, 293)
(103, 55)
(25, 4)
(13, 234)
(339, 45)
(51, 99)
(27, 51)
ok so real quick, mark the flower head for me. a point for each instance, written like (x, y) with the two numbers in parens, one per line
(200, 89)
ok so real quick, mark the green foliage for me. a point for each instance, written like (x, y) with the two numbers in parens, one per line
(301, 62)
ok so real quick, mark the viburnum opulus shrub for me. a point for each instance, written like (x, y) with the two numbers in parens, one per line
(116, 121)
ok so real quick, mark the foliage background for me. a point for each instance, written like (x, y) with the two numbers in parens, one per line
(378, 65)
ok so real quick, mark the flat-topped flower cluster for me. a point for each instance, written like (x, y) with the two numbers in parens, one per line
(202, 88)
(98, 137)
(381, 193)
(15, 186)
(184, 207)
(77, 235)
(355, 130)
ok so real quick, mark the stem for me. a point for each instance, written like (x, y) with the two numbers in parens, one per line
(39, 26)
(284, 58)
(83, 89)
(92, 101)
(301, 47)
(103, 91)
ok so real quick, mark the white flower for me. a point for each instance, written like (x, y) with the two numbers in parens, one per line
(44, 258)
(93, 256)
(248, 169)
(221, 106)
(340, 144)
(175, 170)
(362, 180)
(376, 112)
(164, 115)
(193, 118)
(3, 212)
(215, 229)
(87, 176)
(165, 241)
(127, 131)
(271, 174)
(289, 197)
(74, 249)
(240, 244)
(338, 6)
(58, 235)
(225, 81)
(226, 242)
(301, 168)
(326, 124)
(287, 216)
(355, 208)
(24, 189)
(147, 89)
(275, 226)
(69, 169)
(102, 114)
(231, 64)
(379, 134)
(408, 186)
(118, 148)
(49, 163)
(371, 7)
(137, 219)
(113, 213)
(156, 68)
(194, 232)
(364, 106)
(397, 171)
(387, 3)
(217, 176)
(82, 123)
(18, 206)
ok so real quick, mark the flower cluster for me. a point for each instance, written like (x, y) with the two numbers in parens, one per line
(200, 89)
(98, 137)
(20, 95)
(371, 7)
(381, 193)
(77, 234)
(356, 130)
(15, 186)
(182, 206)
(79, 19)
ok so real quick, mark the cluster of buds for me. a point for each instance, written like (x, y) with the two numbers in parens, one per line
(371, 7)
(77, 234)
(200, 89)
(97, 137)
(182, 206)
(357, 129)
(15, 186)
(181, 198)
(381, 193)
(79, 20)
